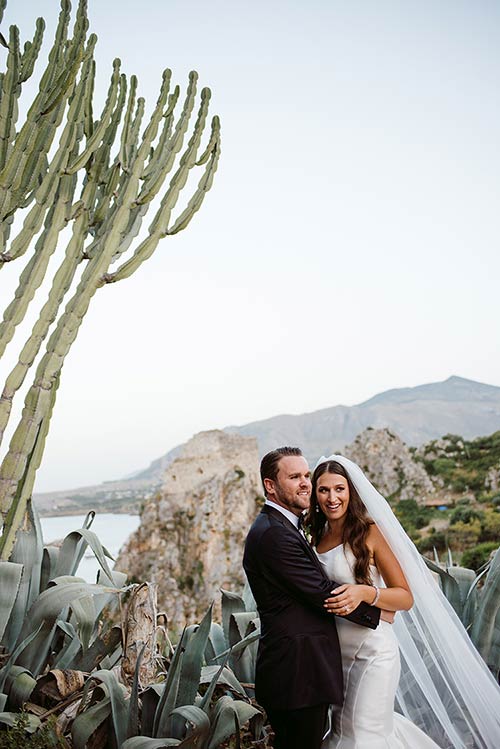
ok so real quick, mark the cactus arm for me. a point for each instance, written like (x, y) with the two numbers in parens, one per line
(159, 227)
(88, 125)
(133, 140)
(66, 77)
(95, 140)
(124, 191)
(204, 185)
(10, 95)
(19, 506)
(33, 275)
(62, 280)
(31, 52)
(127, 124)
(162, 166)
(57, 69)
(161, 148)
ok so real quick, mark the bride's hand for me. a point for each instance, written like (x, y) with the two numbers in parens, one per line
(346, 598)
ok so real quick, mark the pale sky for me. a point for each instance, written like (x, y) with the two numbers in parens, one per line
(350, 241)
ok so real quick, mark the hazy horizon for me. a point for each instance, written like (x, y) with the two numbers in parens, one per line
(349, 244)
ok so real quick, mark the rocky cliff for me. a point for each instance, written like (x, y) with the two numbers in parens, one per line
(191, 536)
(390, 465)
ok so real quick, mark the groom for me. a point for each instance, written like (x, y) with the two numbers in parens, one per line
(299, 668)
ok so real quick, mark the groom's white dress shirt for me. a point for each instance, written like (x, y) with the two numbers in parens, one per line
(289, 515)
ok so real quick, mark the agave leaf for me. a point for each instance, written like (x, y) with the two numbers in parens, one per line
(45, 610)
(464, 578)
(70, 552)
(241, 645)
(241, 625)
(100, 648)
(49, 564)
(19, 685)
(118, 580)
(83, 610)
(150, 698)
(168, 698)
(28, 551)
(190, 671)
(231, 604)
(483, 632)
(193, 660)
(4, 672)
(199, 721)
(69, 652)
(119, 707)
(133, 714)
(10, 579)
(82, 544)
(228, 717)
(221, 675)
(248, 599)
(449, 585)
(472, 600)
(3, 701)
(89, 721)
(216, 642)
(10, 719)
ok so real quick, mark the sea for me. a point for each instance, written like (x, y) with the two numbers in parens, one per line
(112, 529)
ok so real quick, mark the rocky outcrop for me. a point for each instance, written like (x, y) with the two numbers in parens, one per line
(390, 465)
(190, 541)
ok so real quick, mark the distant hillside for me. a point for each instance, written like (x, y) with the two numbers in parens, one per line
(417, 415)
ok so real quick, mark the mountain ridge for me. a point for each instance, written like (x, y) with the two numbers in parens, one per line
(417, 415)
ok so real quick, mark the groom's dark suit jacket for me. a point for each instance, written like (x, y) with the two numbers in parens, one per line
(298, 662)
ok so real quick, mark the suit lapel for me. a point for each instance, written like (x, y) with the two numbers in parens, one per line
(267, 510)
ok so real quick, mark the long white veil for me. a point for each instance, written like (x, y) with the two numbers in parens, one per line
(445, 687)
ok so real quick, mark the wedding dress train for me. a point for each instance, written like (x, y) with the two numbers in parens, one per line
(371, 668)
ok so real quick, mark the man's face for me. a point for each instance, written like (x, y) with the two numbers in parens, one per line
(292, 487)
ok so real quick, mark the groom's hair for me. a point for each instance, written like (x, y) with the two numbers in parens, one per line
(269, 463)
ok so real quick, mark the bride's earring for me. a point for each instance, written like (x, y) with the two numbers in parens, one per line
(317, 508)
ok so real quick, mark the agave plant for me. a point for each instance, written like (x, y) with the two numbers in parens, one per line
(51, 624)
(60, 654)
(476, 599)
(237, 637)
(185, 709)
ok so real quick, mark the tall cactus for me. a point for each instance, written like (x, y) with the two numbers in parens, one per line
(99, 182)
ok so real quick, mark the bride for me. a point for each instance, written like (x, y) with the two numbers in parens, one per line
(444, 689)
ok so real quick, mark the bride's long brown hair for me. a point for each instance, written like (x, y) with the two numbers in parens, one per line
(356, 524)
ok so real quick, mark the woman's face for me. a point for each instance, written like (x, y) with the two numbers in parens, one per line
(332, 493)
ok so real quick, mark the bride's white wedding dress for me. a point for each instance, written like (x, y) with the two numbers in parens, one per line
(371, 667)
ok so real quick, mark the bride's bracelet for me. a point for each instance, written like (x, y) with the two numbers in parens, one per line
(377, 595)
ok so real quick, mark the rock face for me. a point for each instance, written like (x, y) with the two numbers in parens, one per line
(190, 541)
(390, 466)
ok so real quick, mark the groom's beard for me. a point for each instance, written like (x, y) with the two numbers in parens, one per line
(296, 500)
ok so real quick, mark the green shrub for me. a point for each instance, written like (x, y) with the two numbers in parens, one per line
(411, 515)
(477, 556)
(436, 540)
(465, 514)
(463, 535)
(18, 738)
(490, 526)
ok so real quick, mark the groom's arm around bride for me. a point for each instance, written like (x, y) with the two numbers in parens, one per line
(299, 670)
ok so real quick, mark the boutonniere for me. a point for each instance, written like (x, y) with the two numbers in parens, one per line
(305, 528)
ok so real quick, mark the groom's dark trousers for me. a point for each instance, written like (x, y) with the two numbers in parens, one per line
(299, 667)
